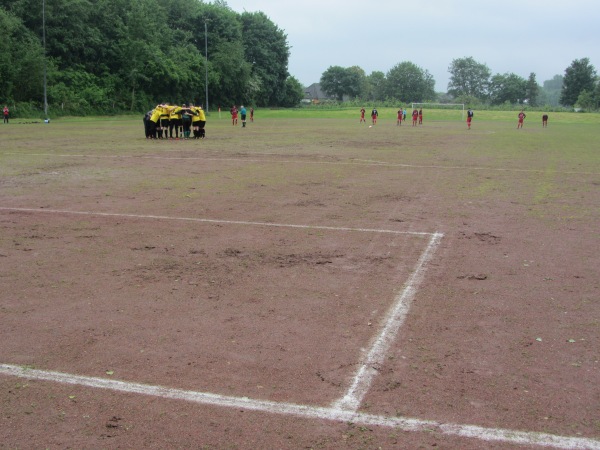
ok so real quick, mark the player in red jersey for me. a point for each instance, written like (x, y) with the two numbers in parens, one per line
(521, 117)
(362, 115)
(374, 115)
(234, 115)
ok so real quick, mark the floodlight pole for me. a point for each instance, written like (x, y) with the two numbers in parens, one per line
(206, 61)
(44, 44)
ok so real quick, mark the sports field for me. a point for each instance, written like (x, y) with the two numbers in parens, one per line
(305, 282)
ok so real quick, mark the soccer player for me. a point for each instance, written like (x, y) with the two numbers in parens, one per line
(154, 121)
(469, 118)
(175, 121)
(374, 115)
(362, 115)
(198, 122)
(521, 117)
(400, 116)
(415, 117)
(186, 120)
(421, 116)
(146, 121)
(163, 124)
(251, 114)
(545, 120)
(5, 113)
(243, 114)
(234, 115)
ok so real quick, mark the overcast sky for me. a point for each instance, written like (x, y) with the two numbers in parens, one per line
(518, 36)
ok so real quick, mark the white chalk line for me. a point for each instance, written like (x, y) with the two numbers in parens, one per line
(356, 162)
(214, 221)
(383, 341)
(305, 411)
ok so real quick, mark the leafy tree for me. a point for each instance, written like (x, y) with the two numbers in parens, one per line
(334, 82)
(376, 86)
(587, 101)
(267, 50)
(408, 82)
(556, 83)
(550, 91)
(294, 92)
(21, 61)
(468, 78)
(234, 71)
(77, 91)
(579, 77)
(339, 82)
(357, 78)
(507, 88)
(107, 55)
(532, 90)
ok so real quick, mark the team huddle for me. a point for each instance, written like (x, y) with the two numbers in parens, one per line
(167, 121)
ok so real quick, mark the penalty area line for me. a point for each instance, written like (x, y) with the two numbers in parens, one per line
(214, 221)
(393, 321)
(306, 411)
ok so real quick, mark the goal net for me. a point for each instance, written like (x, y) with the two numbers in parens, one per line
(454, 110)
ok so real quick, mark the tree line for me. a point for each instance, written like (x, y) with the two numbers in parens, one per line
(106, 56)
(471, 82)
(109, 56)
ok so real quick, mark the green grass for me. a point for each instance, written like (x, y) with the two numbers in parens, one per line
(430, 114)
(568, 145)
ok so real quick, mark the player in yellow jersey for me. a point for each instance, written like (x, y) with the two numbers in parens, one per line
(198, 122)
(163, 125)
(175, 121)
(154, 120)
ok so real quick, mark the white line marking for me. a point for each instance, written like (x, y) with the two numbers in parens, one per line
(355, 162)
(309, 412)
(381, 344)
(228, 222)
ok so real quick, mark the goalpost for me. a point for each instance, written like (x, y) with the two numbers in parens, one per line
(442, 106)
